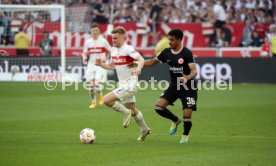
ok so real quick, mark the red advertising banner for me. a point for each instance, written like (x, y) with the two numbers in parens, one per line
(194, 34)
(197, 52)
(240, 52)
(234, 52)
(195, 37)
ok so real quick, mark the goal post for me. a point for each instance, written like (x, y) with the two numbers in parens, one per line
(34, 11)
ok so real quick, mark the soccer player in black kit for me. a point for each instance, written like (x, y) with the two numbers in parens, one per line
(182, 69)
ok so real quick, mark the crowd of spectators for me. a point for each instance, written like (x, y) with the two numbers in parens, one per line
(259, 16)
(175, 11)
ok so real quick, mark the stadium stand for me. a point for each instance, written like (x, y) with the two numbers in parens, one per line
(259, 14)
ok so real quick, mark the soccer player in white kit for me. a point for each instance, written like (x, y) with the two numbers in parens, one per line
(95, 47)
(123, 60)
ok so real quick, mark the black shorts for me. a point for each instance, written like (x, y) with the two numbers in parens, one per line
(219, 24)
(187, 97)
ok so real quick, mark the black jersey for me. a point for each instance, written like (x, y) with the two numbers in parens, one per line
(178, 63)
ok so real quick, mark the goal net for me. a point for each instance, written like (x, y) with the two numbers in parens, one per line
(45, 28)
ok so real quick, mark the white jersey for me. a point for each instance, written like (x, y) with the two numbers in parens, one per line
(96, 49)
(220, 12)
(122, 58)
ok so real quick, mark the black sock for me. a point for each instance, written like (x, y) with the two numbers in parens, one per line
(187, 125)
(164, 112)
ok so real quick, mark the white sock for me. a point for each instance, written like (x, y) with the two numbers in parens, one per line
(92, 95)
(140, 121)
(120, 108)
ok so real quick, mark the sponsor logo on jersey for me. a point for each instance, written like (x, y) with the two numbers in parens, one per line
(122, 60)
(176, 69)
(119, 60)
(95, 50)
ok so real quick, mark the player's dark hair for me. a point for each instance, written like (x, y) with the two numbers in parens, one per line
(177, 33)
(95, 25)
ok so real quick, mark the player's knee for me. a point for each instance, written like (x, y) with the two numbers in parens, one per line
(98, 88)
(159, 109)
(187, 119)
(134, 111)
(107, 102)
(91, 87)
(91, 84)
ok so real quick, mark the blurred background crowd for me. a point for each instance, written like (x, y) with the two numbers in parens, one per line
(174, 11)
(259, 16)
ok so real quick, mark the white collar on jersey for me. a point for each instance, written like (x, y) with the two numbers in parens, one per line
(177, 51)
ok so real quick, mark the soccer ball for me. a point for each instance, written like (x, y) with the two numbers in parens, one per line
(87, 136)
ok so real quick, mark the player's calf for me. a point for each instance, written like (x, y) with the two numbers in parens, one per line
(145, 130)
(187, 125)
(117, 106)
(92, 96)
(164, 112)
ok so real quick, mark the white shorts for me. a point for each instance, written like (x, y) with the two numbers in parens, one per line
(95, 72)
(126, 91)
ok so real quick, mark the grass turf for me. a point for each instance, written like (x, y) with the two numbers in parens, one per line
(41, 127)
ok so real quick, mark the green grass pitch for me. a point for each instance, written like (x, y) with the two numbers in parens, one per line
(41, 128)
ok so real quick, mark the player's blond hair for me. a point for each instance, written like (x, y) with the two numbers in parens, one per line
(120, 30)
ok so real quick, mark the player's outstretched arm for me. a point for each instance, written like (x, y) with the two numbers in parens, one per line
(140, 65)
(84, 58)
(151, 62)
(107, 66)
